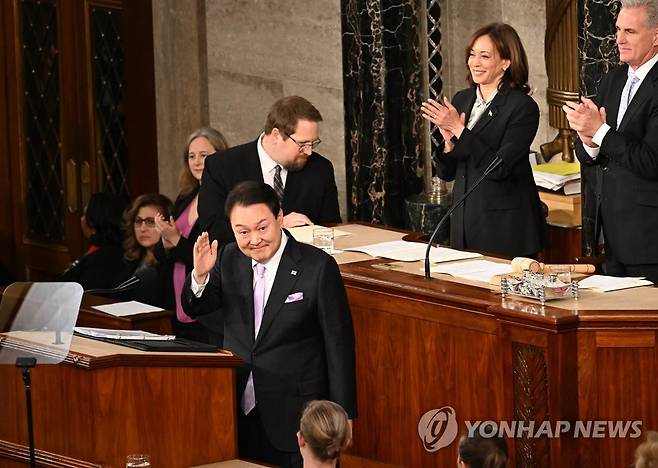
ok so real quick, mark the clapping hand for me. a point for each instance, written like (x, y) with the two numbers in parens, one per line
(168, 231)
(446, 117)
(205, 256)
(585, 118)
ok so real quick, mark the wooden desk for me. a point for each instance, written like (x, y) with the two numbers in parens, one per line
(423, 345)
(105, 401)
(154, 322)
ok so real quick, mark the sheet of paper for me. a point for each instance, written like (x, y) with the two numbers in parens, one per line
(122, 334)
(305, 233)
(611, 283)
(403, 251)
(475, 270)
(121, 309)
(561, 168)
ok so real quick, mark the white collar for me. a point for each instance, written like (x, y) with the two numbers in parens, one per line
(272, 265)
(643, 70)
(267, 164)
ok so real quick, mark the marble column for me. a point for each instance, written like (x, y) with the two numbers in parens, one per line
(598, 54)
(382, 85)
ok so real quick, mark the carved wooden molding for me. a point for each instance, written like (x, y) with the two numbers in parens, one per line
(21, 453)
(530, 384)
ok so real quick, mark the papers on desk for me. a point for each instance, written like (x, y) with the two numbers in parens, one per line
(403, 251)
(475, 270)
(121, 309)
(122, 334)
(305, 233)
(611, 283)
(554, 176)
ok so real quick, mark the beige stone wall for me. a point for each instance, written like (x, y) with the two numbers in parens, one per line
(459, 20)
(258, 52)
(181, 81)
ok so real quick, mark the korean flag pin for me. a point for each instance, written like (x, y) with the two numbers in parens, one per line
(293, 272)
(490, 114)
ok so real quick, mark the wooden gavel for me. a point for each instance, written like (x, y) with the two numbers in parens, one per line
(522, 263)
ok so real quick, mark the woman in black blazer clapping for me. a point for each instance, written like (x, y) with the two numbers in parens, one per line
(494, 117)
(180, 231)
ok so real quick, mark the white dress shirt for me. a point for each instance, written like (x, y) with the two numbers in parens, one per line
(268, 165)
(479, 107)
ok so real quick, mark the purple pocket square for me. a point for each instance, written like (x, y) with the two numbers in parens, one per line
(294, 297)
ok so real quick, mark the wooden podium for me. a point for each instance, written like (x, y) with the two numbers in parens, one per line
(107, 401)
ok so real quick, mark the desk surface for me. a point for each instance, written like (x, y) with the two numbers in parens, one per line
(637, 304)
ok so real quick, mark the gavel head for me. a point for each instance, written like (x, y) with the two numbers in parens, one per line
(522, 263)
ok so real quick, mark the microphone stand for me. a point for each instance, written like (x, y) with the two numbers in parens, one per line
(492, 167)
(25, 364)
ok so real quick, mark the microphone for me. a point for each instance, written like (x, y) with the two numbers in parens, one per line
(143, 276)
(492, 167)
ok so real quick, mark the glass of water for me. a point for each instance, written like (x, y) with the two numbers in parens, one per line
(138, 460)
(323, 238)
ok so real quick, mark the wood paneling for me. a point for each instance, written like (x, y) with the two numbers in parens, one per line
(180, 415)
(423, 345)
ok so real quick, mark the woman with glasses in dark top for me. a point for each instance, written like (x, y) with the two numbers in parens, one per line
(141, 238)
(101, 225)
(180, 231)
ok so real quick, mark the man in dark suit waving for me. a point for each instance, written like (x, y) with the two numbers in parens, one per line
(285, 313)
(618, 135)
(283, 158)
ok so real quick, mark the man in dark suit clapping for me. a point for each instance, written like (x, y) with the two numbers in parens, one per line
(283, 158)
(285, 314)
(618, 136)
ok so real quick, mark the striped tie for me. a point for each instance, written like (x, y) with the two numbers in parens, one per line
(278, 183)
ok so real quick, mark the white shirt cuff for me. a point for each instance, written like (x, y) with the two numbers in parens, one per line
(197, 289)
(600, 134)
(592, 152)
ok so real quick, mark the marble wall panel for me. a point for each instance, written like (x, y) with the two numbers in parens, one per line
(291, 40)
(239, 103)
(181, 81)
(259, 51)
(382, 89)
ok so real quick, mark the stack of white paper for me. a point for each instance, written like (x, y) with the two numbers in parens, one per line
(475, 270)
(122, 334)
(611, 283)
(404, 251)
(554, 176)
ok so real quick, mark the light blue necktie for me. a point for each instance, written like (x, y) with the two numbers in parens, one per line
(626, 95)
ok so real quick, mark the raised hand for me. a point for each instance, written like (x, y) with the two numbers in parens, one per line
(205, 256)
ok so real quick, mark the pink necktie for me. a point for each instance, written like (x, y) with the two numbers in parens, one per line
(249, 395)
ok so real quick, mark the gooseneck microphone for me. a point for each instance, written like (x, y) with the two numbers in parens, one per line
(145, 275)
(492, 167)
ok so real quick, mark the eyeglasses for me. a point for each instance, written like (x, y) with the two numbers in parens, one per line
(150, 222)
(304, 146)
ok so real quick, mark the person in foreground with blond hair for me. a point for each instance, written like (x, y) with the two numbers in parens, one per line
(324, 431)
(646, 454)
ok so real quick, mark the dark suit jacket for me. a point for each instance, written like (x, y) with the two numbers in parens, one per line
(304, 349)
(626, 169)
(310, 191)
(503, 214)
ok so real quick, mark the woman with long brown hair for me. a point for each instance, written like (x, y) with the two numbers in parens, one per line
(180, 231)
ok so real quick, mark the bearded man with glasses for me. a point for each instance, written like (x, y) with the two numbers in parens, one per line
(283, 157)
